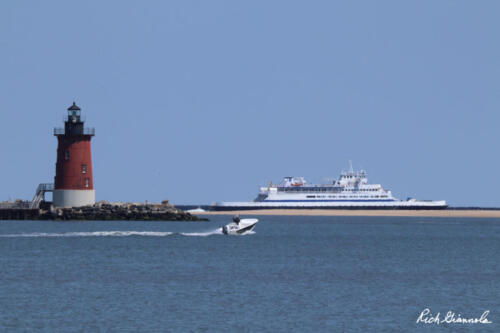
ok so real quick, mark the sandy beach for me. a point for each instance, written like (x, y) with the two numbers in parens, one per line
(335, 212)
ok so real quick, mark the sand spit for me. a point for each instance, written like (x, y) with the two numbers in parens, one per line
(346, 212)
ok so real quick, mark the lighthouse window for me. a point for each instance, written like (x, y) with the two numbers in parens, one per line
(66, 155)
(84, 168)
(86, 182)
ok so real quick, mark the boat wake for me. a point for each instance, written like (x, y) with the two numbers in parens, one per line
(118, 233)
(93, 234)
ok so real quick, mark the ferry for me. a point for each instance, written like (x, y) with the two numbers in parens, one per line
(350, 191)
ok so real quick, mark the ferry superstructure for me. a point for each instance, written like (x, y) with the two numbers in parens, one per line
(350, 191)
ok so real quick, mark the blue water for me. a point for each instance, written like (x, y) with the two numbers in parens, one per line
(294, 274)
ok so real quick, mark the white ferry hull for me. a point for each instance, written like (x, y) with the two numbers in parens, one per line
(413, 204)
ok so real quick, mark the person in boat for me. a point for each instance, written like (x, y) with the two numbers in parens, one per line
(236, 219)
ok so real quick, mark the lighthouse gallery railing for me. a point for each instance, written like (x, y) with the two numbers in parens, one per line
(86, 131)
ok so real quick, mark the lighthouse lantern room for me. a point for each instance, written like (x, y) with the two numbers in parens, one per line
(73, 181)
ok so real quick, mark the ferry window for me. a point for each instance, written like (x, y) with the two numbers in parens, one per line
(86, 182)
(84, 168)
(66, 155)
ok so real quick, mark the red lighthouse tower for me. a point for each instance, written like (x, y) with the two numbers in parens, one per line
(73, 181)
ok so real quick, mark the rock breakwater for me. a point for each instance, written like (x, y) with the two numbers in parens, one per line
(103, 211)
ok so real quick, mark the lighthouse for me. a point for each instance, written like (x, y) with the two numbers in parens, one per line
(73, 185)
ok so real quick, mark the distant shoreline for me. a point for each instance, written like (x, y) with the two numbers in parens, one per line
(345, 212)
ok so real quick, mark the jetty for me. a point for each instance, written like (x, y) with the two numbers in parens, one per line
(100, 211)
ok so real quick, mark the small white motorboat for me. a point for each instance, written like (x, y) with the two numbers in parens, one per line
(239, 226)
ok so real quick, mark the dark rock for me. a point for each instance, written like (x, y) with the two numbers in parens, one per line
(103, 211)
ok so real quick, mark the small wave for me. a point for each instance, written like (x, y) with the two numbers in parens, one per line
(217, 231)
(197, 210)
(92, 234)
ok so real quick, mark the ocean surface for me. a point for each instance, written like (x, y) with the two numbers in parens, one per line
(292, 274)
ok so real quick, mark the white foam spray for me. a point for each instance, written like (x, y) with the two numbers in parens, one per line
(217, 231)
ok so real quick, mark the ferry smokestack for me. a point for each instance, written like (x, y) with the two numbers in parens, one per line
(73, 185)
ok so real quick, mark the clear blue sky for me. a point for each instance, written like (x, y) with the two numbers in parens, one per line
(202, 101)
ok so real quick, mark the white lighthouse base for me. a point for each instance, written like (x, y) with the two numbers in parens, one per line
(73, 198)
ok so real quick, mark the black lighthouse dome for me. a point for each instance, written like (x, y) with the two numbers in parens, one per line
(74, 107)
